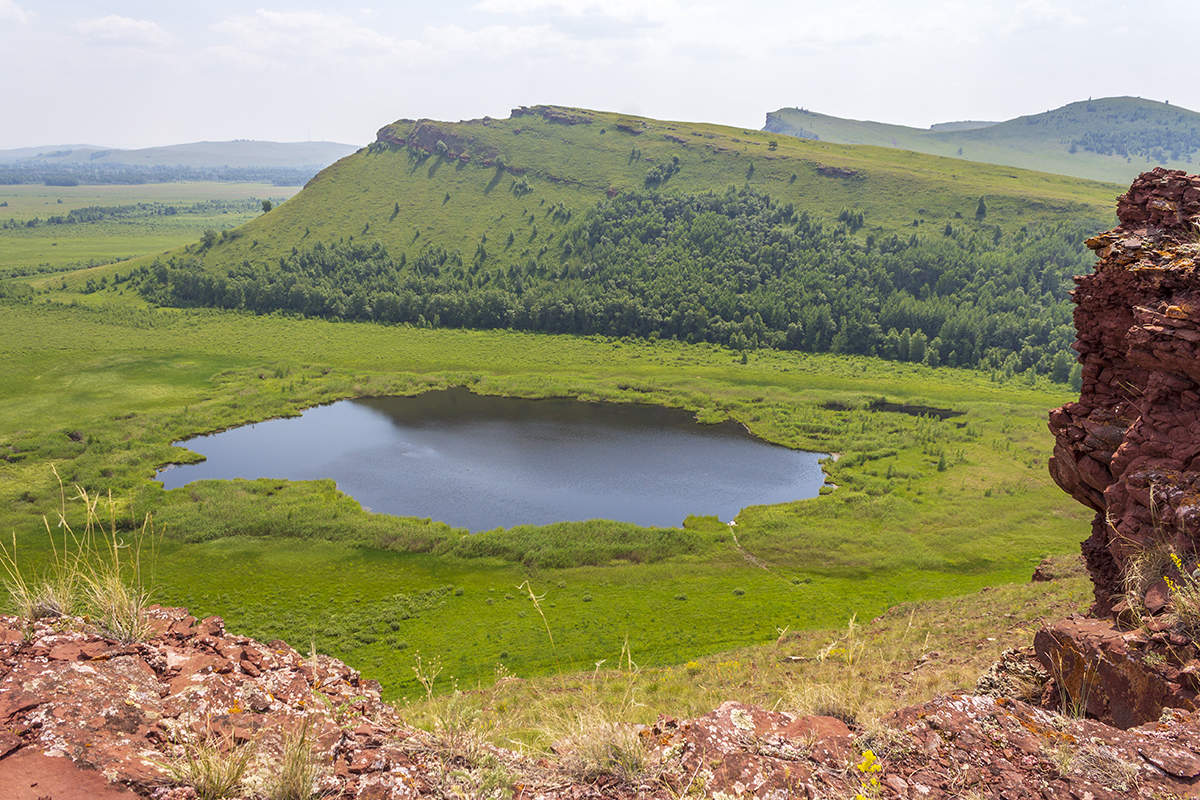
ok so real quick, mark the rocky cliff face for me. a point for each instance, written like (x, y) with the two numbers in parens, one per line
(1130, 447)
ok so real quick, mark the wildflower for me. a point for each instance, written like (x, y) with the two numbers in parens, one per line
(869, 763)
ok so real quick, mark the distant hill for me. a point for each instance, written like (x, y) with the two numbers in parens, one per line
(567, 220)
(1110, 139)
(237, 153)
(241, 159)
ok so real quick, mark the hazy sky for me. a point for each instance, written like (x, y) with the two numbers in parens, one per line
(132, 73)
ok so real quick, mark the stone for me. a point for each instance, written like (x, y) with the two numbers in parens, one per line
(1098, 669)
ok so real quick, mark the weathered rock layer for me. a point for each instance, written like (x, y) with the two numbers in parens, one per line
(1130, 447)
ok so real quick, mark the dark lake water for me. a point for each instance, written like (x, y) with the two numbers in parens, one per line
(481, 462)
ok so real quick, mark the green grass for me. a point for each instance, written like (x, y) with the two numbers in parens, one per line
(1035, 142)
(103, 389)
(905, 656)
(54, 248)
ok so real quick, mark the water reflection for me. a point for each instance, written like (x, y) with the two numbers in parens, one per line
(480, 462)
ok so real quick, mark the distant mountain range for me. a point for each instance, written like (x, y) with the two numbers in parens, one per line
(1109, 139)
(287, 163)
(237, 153)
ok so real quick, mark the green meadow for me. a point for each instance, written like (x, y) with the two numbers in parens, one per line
(178, 213)
(101, 385)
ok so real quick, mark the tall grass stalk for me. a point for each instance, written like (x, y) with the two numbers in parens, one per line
(296, 773)
(96, 571)
(213, 766)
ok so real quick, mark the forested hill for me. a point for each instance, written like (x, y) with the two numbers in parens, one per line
(1110, 138)
(567, 220)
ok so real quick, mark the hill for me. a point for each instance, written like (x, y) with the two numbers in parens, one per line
(574, 221)
(285, 163)
(237, 153)
(1109, 139)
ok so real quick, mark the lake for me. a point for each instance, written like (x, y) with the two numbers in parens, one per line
(481, 462)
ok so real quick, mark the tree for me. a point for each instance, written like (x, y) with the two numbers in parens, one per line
(981, 209)
(1061, 369)
(267, 206)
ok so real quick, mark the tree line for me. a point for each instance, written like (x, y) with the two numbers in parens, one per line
(735, 268)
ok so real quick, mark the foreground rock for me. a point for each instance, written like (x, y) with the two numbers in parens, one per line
(82, 716)
(1130, 447)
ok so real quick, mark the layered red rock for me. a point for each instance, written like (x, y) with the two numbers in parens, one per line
(1130, 446)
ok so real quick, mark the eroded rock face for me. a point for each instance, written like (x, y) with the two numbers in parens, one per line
(1130, 447)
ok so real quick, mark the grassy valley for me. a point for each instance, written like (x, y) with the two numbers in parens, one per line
(923, 508)
(104, 372)
(50, 229)
(1109, 139)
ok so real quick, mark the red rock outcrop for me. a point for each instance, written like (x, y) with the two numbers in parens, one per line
(83, 717)
(1130, 447)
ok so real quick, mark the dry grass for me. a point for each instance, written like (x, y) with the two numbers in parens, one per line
(1099, 763)
(94, 570)
(1146, 568)
(1185, 595)
(294, 776)
(908, 655)
(593, 744)
(212, 765)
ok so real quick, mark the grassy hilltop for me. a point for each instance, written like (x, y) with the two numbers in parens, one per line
(1108, 139)
(573, 158)
(574, 221)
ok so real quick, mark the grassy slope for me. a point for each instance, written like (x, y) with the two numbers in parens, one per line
(126, 381)
(906, 656)
(1037, 142)
(54, 247)
(457, 204)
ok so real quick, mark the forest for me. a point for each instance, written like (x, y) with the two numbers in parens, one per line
(735, 268)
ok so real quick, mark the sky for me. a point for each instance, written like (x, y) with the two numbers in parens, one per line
(137, 73)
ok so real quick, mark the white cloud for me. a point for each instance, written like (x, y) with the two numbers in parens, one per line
(10, 11)
(319, 37)
(617, 9)
(119, 30)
